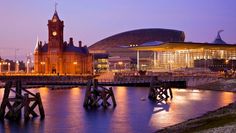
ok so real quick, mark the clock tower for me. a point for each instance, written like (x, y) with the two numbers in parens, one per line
(59, 57)
(54, 59)
(55, 34)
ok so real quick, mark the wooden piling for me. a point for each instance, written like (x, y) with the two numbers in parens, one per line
(40, 105)
(98, 94)
(159, 91)
(112, 96)
(28, 102)
(5, 99)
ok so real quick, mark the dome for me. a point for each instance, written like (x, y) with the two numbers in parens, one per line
(139, 37)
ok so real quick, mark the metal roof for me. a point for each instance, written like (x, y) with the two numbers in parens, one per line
(185, 46)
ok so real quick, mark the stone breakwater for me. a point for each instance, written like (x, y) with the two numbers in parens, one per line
(218, 121)
(219, 85)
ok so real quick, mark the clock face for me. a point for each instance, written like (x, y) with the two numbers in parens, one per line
(54, 33)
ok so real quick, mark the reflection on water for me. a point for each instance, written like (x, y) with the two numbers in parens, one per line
(134, 112)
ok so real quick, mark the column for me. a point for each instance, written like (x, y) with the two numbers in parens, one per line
(9, 66)
(27, 67)
(17, 67)
(138, 60)
(155, 59)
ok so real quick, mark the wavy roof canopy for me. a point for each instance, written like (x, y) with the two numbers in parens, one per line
(139, 37)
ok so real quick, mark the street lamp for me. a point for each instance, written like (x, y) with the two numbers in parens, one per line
(27, 67)
(17, 67)
(0, 67)
(9, 66)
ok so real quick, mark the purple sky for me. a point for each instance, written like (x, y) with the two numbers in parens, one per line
(92, 20)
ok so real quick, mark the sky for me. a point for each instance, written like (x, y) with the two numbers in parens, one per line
(21, 21)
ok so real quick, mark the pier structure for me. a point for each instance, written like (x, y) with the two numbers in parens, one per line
(23, 100)
(159, 91)
(97, 95)
(74, 81)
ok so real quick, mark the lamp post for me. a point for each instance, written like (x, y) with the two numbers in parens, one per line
(17, 67)
(0, 67)
(27, 67)
(9, 67)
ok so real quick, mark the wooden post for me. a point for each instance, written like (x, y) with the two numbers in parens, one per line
(104, 100)
(170, 91)
(113, 97)
(40, 105)
(18, 96)
(26, 103)
(5, 99)
(87, 93)
(95, 84)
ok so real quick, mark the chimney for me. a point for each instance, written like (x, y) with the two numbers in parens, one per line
(71, 41)
(80, 44)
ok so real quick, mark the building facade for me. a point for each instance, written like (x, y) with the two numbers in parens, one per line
(61, 57)
(217, 55)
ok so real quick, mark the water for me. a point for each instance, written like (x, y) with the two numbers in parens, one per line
(65, 113)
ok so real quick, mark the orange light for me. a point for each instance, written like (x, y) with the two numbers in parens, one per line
(120, 63)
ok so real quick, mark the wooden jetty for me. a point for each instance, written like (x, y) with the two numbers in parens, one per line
(14, 105)
(41, 81)
(159, 91)
(97, 95)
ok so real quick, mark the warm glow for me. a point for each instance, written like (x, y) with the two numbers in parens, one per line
(120, 63)
(75, 63)
(226, 61)
(42, 63)
(54, 20)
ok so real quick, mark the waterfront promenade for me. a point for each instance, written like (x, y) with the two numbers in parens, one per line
(178, 79)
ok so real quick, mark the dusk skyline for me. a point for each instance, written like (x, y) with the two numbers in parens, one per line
(22, 22)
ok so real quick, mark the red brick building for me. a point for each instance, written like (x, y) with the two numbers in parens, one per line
(61, 57)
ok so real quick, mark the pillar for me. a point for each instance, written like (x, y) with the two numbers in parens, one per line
(27, 67)
(17, 67)
(155, 59)
(9, 67)
(138, 63)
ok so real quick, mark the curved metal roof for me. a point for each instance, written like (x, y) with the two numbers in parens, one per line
(138, 37)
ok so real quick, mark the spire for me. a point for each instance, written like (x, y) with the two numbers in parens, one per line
(218, 39)
(37, 44)
(56, 6)
(55, 15)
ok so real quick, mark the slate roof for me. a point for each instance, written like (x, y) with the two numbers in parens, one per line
(72, 48)
(67, 48)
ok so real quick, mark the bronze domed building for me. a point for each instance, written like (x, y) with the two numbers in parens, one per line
(114, 45)
(118, 45)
